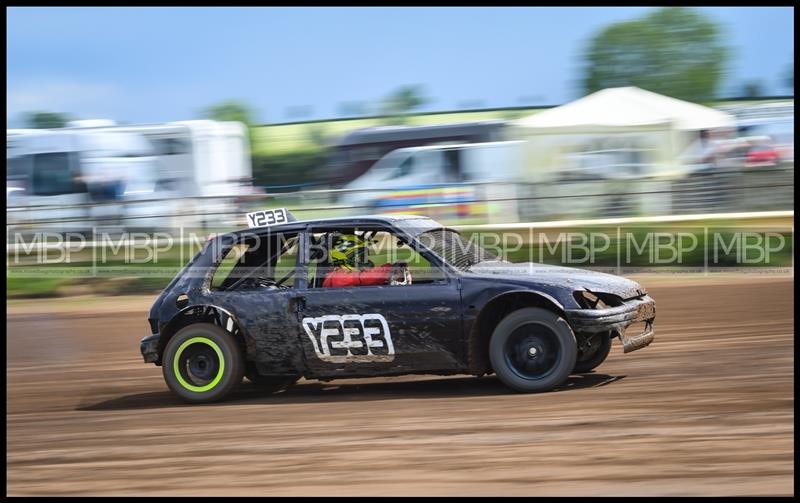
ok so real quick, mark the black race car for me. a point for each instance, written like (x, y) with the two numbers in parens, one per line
(260, 303)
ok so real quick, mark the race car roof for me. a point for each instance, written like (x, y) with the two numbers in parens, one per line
(413, 224)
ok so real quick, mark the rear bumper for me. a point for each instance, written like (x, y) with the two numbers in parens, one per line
(617, 319)
(149, 348)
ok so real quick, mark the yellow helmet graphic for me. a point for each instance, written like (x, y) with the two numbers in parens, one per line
(348, 251)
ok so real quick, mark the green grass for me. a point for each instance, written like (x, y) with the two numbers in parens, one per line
(34, 287)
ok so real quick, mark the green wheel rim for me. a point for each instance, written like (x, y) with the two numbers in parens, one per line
(176, 366)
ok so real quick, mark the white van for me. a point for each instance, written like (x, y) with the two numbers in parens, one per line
(437, 165)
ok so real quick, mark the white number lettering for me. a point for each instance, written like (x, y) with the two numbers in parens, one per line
(350, 338)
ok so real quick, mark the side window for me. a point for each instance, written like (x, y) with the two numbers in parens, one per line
(230, 260)
(17, 168)
(284, 267)
(163, 145)
(366, 153)
(53, 174)
(452, 165)
(258, 262)
(353, 257)
(422, 271)
(318, 259)
(406, 167)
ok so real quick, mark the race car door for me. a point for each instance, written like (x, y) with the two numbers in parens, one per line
(256, 281)
(379, 329)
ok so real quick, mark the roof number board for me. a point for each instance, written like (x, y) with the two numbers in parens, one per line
(265, 218)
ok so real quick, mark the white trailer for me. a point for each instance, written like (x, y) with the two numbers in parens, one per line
(141, 175)
(73, 179)
(197, 157)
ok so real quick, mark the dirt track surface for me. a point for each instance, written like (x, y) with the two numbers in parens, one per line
(707, 409)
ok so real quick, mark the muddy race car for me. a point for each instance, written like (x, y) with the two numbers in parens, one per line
(286, 299)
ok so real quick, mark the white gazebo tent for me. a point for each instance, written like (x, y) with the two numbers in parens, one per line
(653, 129)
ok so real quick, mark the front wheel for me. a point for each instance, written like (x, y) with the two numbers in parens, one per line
(532, 350)
(592, 353)
(202, 363)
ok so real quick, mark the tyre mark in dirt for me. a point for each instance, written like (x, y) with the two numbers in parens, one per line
(707, 409)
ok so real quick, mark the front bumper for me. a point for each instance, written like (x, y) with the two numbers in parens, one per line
(149, 348)
(617, 319)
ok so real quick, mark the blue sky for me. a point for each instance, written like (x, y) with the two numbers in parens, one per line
(160, 64)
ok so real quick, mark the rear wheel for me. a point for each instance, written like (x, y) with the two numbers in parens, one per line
(202, 363)
(532, 349)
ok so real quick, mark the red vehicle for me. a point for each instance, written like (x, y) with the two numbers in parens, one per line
(762, 155)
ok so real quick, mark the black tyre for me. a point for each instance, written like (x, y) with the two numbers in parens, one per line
(593, 354)
(202, 363)
(532, 349)
(271, 384)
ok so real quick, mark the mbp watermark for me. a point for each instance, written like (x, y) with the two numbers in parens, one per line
(652, 248)
(574, 248)
(135, 247)
(748, 247)
(135, 251)
(46, 247)
(660, 248)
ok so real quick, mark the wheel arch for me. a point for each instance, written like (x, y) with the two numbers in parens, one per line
(204, 313)
(490, 315)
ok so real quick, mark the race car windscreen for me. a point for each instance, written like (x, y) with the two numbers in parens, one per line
(454, 248)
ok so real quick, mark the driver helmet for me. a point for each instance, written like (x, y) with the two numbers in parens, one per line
(349, 251)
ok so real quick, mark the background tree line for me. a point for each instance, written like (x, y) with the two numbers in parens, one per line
(675, 51)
